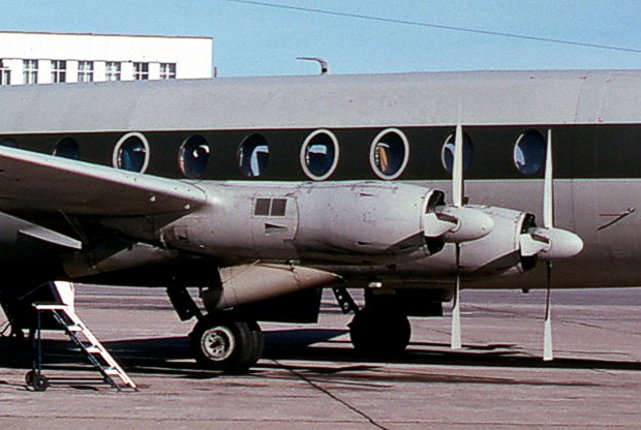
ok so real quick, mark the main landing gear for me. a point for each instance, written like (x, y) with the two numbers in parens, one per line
(380, 328)
(220, 341)
(380, 331)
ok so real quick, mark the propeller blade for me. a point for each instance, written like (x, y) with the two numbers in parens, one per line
(457, 168)
(561, 244)
(548, 187)
(531, 245)
(548, 242)
(456, 311)
(457, 201)
(547, 329)
(435, 226)
(457, 223)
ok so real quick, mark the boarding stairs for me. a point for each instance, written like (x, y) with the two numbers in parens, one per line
(64, 314)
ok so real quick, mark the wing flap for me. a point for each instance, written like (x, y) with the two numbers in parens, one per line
(34, 181)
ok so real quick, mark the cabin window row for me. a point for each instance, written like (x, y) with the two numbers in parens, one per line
(319, 153)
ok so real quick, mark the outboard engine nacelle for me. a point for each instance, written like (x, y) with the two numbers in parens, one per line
(498, 251)
(516, 243)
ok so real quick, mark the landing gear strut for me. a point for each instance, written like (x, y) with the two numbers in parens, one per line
(219, 341)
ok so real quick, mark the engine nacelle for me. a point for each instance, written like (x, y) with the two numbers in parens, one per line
(500, 250)
(516, 243)
(347, 223)
(365, 220)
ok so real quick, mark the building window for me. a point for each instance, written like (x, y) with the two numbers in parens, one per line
(141, 71)
(58, 71)
(30, 71)
(167, 70)
(85, 71)
(5, 76)
(113, 71)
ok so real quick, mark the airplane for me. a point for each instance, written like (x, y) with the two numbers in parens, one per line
(263, 191)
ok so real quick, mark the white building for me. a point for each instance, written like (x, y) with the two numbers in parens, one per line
(45, 58)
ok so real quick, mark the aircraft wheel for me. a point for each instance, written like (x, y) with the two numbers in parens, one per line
(380, 332)
(222, 343)
(39, 382)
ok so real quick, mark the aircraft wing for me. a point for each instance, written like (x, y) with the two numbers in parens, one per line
(34, 181)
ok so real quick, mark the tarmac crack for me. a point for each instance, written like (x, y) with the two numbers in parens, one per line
(332, 396)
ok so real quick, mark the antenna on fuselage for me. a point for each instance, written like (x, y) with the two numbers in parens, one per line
(323, 64)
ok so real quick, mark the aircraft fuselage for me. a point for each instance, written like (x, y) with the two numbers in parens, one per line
(288, 139)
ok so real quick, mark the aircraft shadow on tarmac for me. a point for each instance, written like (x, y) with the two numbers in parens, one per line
(171, 355)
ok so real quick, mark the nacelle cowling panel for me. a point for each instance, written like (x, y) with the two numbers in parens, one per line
(377, 220)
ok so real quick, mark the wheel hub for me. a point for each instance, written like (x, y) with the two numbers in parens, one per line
(218, 343)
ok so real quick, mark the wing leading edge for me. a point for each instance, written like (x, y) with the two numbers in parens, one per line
(40, 182)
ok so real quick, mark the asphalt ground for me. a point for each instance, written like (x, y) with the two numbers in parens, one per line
(311, 378)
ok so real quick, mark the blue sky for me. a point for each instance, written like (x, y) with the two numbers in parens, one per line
(252, 40)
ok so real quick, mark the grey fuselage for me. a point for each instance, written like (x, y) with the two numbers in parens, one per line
(593, 116)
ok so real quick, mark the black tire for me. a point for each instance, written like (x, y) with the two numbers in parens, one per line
(219, 342)
(380, 332)
(258, 343)
(28, 377)
(40, 382)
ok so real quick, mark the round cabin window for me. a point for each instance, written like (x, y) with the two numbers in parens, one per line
(529, 152)
(389, 154)
(131, 153)
(319, 155)
(9, 142)
(253, 156)
(194, 156)
(447, 152)
(67, 148)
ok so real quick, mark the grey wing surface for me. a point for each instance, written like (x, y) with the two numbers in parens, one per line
(32, 181)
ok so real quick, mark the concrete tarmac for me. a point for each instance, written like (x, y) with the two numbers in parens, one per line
(311, 378)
